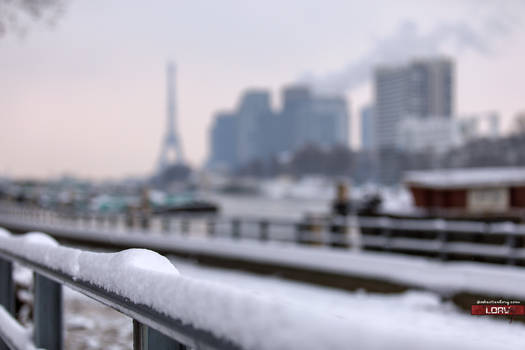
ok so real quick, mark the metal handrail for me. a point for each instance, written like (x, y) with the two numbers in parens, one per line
(175, 330)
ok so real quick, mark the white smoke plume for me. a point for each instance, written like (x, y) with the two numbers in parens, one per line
(408, 42)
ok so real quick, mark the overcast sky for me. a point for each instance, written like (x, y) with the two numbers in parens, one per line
(86, 95)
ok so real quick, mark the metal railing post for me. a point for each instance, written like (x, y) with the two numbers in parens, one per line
(146, 338)
(7, 291)
(166, 223)
(298, 233)
(47, 313)
(236, 228)
(442, 237)
(184, 225)
(263, 230)
(210, 227)
(386, 232)
(511, 242)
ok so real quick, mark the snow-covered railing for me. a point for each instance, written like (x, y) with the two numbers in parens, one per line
(168, 311)
(444, 239)
(171, 311)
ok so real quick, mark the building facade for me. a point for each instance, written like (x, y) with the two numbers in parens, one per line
(261, 133)
(223, 141)
(422, 88)
(368, 132)
(483, 191)
(432, 134)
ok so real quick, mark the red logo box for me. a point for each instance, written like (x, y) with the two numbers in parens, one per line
(510, 310)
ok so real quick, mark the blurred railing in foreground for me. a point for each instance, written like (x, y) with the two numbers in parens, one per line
(502, 243)
(172, 311)
(90, 273)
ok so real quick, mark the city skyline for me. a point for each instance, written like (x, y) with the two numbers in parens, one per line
(257, 132)
(87, 96)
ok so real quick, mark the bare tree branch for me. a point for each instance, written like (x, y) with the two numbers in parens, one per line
(15, 15)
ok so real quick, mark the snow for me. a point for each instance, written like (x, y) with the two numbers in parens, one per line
(419, 311)
(414, 271)
(468, 177)
(257, 320)
(407, 270)
(17, 335)
(305, 188)
(3, 232)
(40, 239)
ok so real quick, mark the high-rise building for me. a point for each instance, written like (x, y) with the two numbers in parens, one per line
(309, 119)
(430, 88)
(420, 89)
(223, 141)
(330, 126)
(296, 116)
(254, 132)
(368, 132)
(254, 114)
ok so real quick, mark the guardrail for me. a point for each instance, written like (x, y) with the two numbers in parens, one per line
(97, 275)
(502, 243)
(171, 311)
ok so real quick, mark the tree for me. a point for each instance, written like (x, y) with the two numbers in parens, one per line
(14, 14)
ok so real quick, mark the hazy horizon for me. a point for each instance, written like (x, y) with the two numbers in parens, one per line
(86, 96)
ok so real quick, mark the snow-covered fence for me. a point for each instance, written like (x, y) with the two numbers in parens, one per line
(168, 311)
(171, 311)
(443, 239)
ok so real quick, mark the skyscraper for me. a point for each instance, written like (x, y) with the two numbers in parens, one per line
(296, 115)
(368, 128)
(309, 119)
(254, 132)
(421, 89)
(223, 141)
(254, 113)
(330, 126)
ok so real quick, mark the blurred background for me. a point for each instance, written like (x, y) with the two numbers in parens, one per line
(395, 128)
(275, 99)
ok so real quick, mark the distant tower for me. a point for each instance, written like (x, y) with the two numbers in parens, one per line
(171, 152)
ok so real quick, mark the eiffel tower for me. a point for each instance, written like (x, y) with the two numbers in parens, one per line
(171, 152)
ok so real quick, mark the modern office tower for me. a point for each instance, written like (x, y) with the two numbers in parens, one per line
(254, 132)
(430, 88)
(254, 114)
(223, 143)
(309, 119)
(390, 100)
(296, 116)
(368, 128)
(420, 89)
(330, 124)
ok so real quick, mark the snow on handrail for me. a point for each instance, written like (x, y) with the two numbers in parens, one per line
(248, 319)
